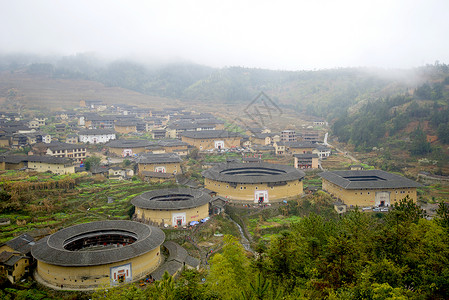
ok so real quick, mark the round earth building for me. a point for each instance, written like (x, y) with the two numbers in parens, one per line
(172, 207)
(254, 182)
(88, 255)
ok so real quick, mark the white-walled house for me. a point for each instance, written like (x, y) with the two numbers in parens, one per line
(96, 136)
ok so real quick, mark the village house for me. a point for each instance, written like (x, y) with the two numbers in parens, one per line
(174, 146)
(158, 134)
(71, 139)
(15, 257)
(94, 121)
(322, 151)
(33, 124)
(13, 162)
(126, 148)
(169, 163)
(55, 165)
(193, 123)
(311, 137)
(259, 149)
(125, 127)
(118, 173)
(280, 148)
(91, 103)
(261, 139)
(288, 136)
(319, 123)
(256, 130)
(368, 188)
(27, 139)
(306, 161)
(212, 139)
(5, 140)
(96, 136)
(300, 148)
(76, 152)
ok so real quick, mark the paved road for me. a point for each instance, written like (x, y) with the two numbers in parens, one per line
(345, 153)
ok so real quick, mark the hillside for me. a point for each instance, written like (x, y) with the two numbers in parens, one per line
(323, 93)
(36, 91)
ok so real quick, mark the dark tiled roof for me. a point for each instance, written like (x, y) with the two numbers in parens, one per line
(96, 132)
(126, 123)
(51, 249)
(157, 175)
(21, 244)
(299, 145)
(5, 255)
(253, 173)
(50, 159)
(305, 155)
(262, 148)
(172, 267)
(171, 199)
(171, 143)
(13, 260)
(151, 158)
(211, 134)
(63, 146)
(262, 135)
(13, 159)
(129, 143)
(368, 179)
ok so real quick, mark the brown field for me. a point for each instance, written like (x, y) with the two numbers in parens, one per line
(42, 92)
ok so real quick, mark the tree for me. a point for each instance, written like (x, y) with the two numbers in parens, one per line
(443, 215)
(420, 145)
(92, 162)
(230, 270)
(188, 286)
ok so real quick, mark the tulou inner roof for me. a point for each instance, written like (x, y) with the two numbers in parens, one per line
(171, 199)
(52, 250)
(253, 173)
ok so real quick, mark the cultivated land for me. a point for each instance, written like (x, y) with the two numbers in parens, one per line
(36, 92)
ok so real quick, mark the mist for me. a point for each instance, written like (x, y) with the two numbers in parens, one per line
(287, 35)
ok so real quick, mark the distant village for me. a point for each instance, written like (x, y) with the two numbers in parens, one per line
(156, 140)
(267, 167)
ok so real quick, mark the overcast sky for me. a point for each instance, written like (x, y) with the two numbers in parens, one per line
(290, 35)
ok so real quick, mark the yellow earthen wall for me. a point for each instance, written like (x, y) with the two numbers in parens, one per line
(119, 151)
(85, 277)
(54, 168)
(170, 168)
(247, 191)
(205, 144)
(366, 197)
(19, 269)
(165, 216)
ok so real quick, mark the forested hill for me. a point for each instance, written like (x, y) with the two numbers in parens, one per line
(417, 121)
(322, 93)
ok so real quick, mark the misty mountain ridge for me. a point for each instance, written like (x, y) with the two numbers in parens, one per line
(188, 81)
(326, 94)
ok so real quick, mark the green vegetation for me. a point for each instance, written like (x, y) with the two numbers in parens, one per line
(56, 201)
(358, 256)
